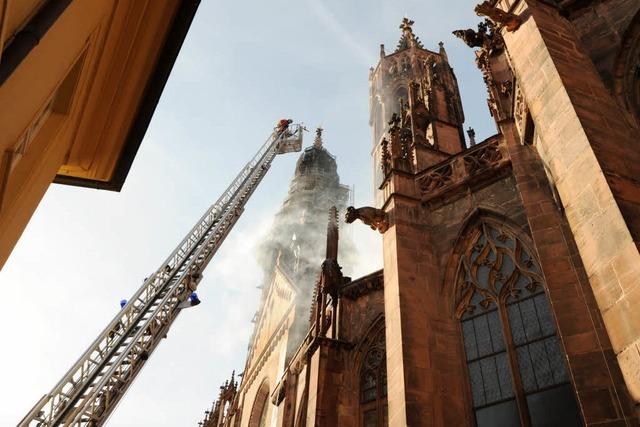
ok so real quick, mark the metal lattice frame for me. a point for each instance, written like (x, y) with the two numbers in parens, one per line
(90, 390)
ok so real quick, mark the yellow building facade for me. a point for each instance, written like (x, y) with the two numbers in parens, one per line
(79, 81)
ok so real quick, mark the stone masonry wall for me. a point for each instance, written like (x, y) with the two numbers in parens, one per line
(591, 153)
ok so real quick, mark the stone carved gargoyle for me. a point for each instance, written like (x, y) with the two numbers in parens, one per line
(504, 19)
(486, 37)
(374, 218)
(470, 37)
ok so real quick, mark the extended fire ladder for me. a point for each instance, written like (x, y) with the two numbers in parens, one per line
(92, 388)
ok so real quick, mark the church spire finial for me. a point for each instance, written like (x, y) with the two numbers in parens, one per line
(408, 39)
(318, 141)
(405, 26)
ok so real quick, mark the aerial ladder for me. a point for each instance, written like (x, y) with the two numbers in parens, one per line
(89, 392)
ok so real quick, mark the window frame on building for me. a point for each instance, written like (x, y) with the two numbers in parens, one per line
(373, 399)
(498, 276)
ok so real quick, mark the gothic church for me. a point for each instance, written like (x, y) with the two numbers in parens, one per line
(510, 293)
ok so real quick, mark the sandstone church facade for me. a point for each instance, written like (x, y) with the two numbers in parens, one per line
(510, 293)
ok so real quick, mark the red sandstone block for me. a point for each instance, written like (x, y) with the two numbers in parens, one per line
(563, 284)
(612, 362)
(546, 220)
(533, 209)
(597, 406)
(593, 370)
(558, 264)
(549, 236)
(530, 190)
(549, 250)
(616, 423)
(581, 343)
(572, 322)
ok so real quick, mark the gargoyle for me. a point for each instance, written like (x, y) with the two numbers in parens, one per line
(374, 218)
(507, 20)
(470, 37)
(480, 38)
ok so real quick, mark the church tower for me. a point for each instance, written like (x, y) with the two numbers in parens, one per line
(294, 243)
(415, 91)
(291, 256)
(485, 291)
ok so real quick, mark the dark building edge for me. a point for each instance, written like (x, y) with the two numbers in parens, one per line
(172, 45)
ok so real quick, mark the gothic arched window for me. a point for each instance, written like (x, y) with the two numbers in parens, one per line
(626, 71)
(400, 93)
(378, 122)
(260, 409)
(515, 362)
(373, 384)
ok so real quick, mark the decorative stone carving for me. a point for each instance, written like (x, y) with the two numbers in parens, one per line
(279, 393)
(385, 157)
(405, 145)
(470, 37)
(460, 170)
(418, 115)
(436, 179)
(484, 158)
(514, 272)
(520, 113)
(509, 21)
(364, 286)
(374, 218)
(506, 88)
(408, 39)
(395, 121)
(491, 51)
(485, 37)
(400, 139)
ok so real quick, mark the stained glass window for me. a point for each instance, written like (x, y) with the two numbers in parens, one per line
(373, 384)
(500, 293)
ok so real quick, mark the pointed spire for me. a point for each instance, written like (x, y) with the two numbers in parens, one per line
(318, 141)
(408, 39)
(443, 53)
(332, 234)
(472, 136)
(382, 53)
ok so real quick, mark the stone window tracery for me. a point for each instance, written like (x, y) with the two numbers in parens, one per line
(373, 384)
(516, 368)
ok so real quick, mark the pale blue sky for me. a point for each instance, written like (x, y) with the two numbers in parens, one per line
(244, 64)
